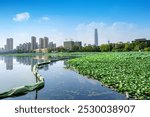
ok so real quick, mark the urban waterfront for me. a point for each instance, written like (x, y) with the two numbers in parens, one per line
(60, 83)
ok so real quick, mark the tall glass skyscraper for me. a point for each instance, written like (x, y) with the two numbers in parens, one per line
(96, 37)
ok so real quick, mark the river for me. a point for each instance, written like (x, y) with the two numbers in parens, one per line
(60, 83)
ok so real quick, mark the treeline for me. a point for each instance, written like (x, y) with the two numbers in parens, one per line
(111, 47)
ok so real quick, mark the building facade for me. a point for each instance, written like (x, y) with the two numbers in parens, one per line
(96, 37)
(52, 45)
(68, 45)
(41, 43)
(78, 43)
(33, 43)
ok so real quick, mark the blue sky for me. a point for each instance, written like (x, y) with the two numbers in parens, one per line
(60, 20)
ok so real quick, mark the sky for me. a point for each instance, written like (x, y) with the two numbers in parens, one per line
(61, 20)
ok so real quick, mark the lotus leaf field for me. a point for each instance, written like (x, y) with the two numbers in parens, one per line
(128, 73)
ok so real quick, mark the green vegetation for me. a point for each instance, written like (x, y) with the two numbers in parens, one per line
(127, 72)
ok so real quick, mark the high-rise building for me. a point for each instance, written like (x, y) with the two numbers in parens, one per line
(46, 41)
(9, 44)
(68, 44)
(78, 43)
(28, 46)
(41, 43)
(52, 45)
(33, 43)
(96, 37)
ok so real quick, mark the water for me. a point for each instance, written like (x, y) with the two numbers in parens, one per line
(60, 83)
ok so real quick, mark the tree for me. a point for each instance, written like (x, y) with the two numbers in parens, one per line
(142, 45)
(105, 47)
(128, 47)
(119, 46)
(76, 48)
(147, 49)
(136, 48)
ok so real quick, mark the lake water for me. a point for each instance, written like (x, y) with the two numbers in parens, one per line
(60, 83)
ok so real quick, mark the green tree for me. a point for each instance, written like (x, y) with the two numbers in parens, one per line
(136, 48)
(147, 49)
(128, 47)
(119, 46)
(105, 47)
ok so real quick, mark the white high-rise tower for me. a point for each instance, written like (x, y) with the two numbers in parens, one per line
(96, 37)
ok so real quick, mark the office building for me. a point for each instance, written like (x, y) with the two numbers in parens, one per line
(96, 37)
(33, 43)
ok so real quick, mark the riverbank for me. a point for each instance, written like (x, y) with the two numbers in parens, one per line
(128, 73)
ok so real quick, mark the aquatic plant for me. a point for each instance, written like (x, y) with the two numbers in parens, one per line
(128, 72)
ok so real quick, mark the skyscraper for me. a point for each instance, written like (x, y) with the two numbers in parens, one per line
(9, 44)
(41, 43)
(46, 41)
(96, 37)
(33, 43)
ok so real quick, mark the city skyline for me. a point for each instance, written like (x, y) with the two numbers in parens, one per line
(117, 20)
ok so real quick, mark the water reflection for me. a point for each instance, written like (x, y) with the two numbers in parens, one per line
(29, 61)
(9, 63)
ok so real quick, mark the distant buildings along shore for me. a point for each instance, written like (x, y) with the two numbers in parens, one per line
(43, 44)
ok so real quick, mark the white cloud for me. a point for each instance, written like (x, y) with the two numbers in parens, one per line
(22, 17)
(115, 32)
(45, 18)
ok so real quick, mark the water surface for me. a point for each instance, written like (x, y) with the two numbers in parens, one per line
(60, 83)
